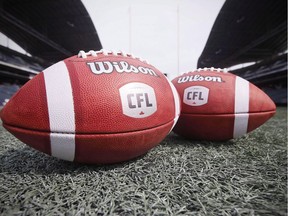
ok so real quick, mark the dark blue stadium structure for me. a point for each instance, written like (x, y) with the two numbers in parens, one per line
(48, 30)
(251, 31)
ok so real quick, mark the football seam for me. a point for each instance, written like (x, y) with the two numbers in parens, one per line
(209, 114)
(51, 132)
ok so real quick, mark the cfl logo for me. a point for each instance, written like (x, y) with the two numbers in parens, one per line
(138, 100)
(196, 95)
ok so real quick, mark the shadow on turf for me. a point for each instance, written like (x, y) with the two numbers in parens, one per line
(28, 160)
(175, 140)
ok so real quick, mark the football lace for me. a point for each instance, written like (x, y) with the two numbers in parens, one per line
(83, 54)
(223, 70)
(212, 69)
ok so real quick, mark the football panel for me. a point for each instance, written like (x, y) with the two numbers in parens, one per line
(113, 148)
(260, 101)
(258, 119)
(216, 96)
(219, 127)
(28, 107)
(35, 139)
(98, 101)
(205, 127)
(42, 104)
(228, 94)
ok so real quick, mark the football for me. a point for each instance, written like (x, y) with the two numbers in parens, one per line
(218, 105)
(96, 107)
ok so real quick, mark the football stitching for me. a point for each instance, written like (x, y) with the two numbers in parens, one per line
(83, 54)
(212, 69)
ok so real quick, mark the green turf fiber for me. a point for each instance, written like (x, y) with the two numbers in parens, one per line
(245, 176)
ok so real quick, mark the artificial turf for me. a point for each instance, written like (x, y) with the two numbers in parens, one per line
(244, 176)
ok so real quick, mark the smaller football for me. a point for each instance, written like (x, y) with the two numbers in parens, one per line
(218, 105)
(95, 107)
